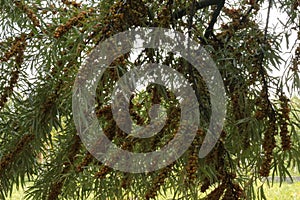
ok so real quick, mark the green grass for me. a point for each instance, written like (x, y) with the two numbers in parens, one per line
(286, 191)
(276, 192)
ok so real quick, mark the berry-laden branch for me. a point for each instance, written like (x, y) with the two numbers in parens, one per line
(16, 50)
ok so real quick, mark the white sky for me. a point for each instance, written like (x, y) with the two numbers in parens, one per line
(275, 26)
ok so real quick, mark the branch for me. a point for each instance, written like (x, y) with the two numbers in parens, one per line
(198, 5)
(262, 71)
(215, 15)
(268, 18)
(244, 18)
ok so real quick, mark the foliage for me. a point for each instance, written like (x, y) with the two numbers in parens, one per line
(43, 45)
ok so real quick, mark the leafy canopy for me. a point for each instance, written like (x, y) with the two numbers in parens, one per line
(43, 45)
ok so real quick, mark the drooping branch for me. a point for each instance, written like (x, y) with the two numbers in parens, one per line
(190, 23)
(56, 187)
(29, 12)
(8, 158)
(16, 50)
(269, 142)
